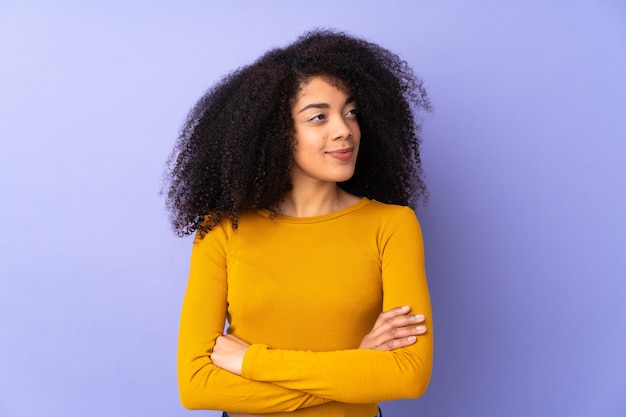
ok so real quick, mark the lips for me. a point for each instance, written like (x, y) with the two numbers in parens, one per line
(342, 154)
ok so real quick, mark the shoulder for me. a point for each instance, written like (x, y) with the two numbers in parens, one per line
(390, 211)
(216, 237)
(392, 221)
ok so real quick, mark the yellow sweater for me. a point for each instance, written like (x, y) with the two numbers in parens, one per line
(303, 292)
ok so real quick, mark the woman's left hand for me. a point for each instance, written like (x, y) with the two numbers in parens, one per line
(228, 353)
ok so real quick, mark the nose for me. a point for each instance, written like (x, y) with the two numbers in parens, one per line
(341, 129)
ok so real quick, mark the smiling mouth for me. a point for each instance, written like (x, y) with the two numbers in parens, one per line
(342, 154)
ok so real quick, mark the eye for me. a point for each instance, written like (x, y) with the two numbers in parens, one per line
(317, 117)
(352, 112)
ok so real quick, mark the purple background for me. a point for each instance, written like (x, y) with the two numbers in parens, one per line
(525, 232)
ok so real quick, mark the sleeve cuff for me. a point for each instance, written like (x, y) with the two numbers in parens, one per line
(250, 358)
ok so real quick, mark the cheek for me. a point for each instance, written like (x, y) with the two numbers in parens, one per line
(308, 142)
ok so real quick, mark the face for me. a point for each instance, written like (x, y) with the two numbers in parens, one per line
(327, 133)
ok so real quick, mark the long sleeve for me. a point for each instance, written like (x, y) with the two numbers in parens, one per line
(304, 292)
(362, 376)
(202, 385)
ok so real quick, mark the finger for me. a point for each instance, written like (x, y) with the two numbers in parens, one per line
(397, 343)
(407, 331)
(398, 333)
(234, 340)
(390, 325)
(219, 342)
(390, 314)
(405, 320)
(398, 317)
(384, 336)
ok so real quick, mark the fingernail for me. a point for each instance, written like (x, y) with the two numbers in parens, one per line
(419, 317)
(420, 328)
(411, 338)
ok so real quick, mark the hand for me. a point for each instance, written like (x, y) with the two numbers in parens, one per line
(394, 329)
(228, 353)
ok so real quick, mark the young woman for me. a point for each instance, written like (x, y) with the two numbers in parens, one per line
(295, 174)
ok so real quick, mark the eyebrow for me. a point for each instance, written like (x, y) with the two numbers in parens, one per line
(314, 106)
(323, 105)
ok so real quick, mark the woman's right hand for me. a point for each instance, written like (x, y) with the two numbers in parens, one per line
(394, 329)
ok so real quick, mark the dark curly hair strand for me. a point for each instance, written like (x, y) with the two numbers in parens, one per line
(235, 149)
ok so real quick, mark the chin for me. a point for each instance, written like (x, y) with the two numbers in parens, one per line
(345, 177)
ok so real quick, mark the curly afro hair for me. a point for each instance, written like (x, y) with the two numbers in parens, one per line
(235, 149)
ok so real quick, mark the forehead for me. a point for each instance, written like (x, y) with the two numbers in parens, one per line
(319, 86)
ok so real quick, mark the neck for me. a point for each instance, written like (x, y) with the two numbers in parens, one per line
(315, 201)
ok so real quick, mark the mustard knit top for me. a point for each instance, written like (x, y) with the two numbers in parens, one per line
(303, 292)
